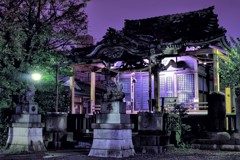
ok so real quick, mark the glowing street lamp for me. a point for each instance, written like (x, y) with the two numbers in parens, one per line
(36, 76)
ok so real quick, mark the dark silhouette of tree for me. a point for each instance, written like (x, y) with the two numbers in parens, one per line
(34, 35)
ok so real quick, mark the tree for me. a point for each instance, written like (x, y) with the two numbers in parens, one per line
(230, 69)
(34, 35)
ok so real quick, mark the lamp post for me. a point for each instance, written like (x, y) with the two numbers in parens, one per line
(63, 64)
(57, 77)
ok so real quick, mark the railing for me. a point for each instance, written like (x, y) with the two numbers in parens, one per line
(168, 103)
(80, 123)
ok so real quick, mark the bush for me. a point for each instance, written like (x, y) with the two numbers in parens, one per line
(181, 110)
(5, 117)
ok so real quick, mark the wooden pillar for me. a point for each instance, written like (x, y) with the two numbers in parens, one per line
(93, 92)
(150, 85)
(228, 100)
(157, 90)
(196, 84)
(216, 73)
(133, 81)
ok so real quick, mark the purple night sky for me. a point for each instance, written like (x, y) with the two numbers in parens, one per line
(103, 14)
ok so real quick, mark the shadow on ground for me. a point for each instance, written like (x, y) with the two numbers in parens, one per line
(180, 154)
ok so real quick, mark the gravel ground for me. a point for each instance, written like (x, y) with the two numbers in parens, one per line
(180, 154)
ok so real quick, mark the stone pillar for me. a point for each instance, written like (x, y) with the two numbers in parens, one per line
(56, 130)
(112, 136)
(25, 133)
(151, 137)
(216, 112)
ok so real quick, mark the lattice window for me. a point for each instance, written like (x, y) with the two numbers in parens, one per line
(138, 93)
(145, 92)
(126, 82)
(166, 86)
(185, 88)
(162, 86)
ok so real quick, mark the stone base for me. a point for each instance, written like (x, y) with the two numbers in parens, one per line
(112, 135)
(25, 140)
(220, 136)
(153, 144)
(150, 122)
(56, 122)
(54, 140)
(218, 141)
(153, 149)
(112, 143)
(223, 147)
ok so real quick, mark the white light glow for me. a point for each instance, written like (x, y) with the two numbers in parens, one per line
(36, 76)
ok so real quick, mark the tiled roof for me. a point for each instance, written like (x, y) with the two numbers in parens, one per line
(197, 26)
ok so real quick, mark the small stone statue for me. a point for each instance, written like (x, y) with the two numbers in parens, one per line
(114, 92)
(29, 94)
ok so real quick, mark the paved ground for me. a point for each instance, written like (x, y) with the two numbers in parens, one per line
(187, 154)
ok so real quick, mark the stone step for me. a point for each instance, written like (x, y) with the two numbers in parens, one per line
(206, 141)
(227, 147)
(212, 141)
(223, 147)
(206, 146)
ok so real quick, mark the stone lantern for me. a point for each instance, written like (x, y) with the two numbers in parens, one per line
(25, 132)
(112, 135)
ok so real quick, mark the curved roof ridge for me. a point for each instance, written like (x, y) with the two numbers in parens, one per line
(211, 8)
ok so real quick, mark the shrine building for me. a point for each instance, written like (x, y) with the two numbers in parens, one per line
(178, 54)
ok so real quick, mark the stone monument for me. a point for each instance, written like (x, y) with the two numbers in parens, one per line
(151, 137)
(112, 136)
(25, 132)
(216, 112)
(56, 134)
